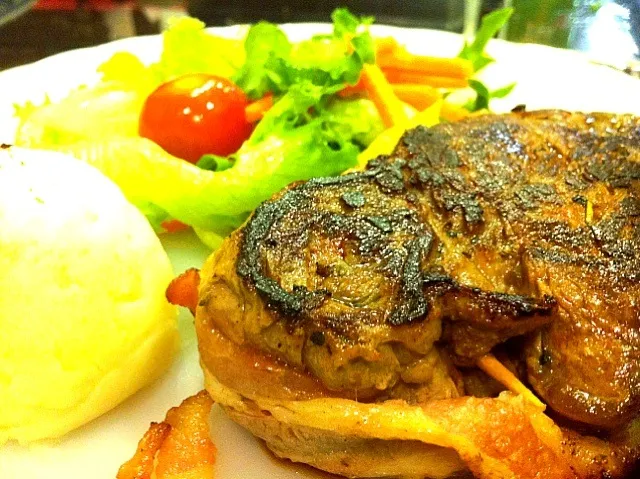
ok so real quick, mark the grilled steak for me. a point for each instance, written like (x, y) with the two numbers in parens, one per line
(386, 283)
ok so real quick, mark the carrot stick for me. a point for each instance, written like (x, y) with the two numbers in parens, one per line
(451, 112)
(183, 290)
(428, 66)
(254, 111)
(396, 75)
(418, 96)
(351, 90)
(386, 45)
(173, 226)
(494, 368)
(381, 93)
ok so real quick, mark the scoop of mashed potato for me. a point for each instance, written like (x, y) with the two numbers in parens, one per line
(84, 322)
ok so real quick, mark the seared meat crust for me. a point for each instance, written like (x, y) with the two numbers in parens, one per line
(547, 204)
(379, 282)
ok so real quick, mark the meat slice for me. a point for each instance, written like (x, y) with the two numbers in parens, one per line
(547, 204)
(379, 283)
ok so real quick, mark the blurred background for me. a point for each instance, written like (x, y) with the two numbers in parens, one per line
(33, 29)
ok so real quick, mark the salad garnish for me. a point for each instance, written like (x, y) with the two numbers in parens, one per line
(474, 51)
(303, 109)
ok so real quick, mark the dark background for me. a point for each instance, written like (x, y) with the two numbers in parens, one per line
(54, 26)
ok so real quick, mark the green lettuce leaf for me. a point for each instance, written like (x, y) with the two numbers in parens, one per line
(484, 95)
(308, 132)
(266, 50)
(490, 25)
(216, 201)
(219, 198)
(345, 23)
(355, 118)
(108, 109)
(274, 65)
(128, 70)
(475, 53)
(188, 48)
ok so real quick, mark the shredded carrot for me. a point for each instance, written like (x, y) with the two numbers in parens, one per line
(451, 112)
(381, 93)
(494, 368)
(418, 96)
(386, 45)
(183, 290)
(173, 226)
(391, 55)
(400, 76)
(351, 90)
(396, 75)
(425, 65)
(256, 110)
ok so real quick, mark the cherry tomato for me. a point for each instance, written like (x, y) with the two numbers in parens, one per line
(196, 114)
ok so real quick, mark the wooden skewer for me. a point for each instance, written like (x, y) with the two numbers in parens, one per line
(494, 368)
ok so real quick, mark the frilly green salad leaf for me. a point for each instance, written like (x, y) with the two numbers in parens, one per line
(308, 132)
(127, 69)
(490, 25)
(265, 48)
(474, 51)
(484, 95)
(273, 64)
(220, 200)
(107, 109)
(187, 47)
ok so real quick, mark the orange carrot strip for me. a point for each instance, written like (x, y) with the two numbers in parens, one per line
(351, 90)
(395, 75)
(254, 111)
(451, 112)
(418, 96)
(426, 65)
(173, 226)
(183, 290)
(386, 45)
(381, 93)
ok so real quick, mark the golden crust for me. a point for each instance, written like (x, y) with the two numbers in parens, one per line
(346, 454)
(493, 438)
(178, 447)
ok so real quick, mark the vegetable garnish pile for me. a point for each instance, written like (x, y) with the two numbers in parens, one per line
(217, 126)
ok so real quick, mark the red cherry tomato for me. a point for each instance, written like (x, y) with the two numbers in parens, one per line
(196, 114)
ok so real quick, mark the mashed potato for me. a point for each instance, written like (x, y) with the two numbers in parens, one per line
(84, 322)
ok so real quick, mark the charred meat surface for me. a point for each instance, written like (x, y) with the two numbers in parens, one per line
(382, 283)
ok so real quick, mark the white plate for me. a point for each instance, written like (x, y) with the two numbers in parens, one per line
(546, 78)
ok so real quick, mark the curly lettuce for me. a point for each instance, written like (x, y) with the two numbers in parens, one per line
(308, 132)
(474, 51)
